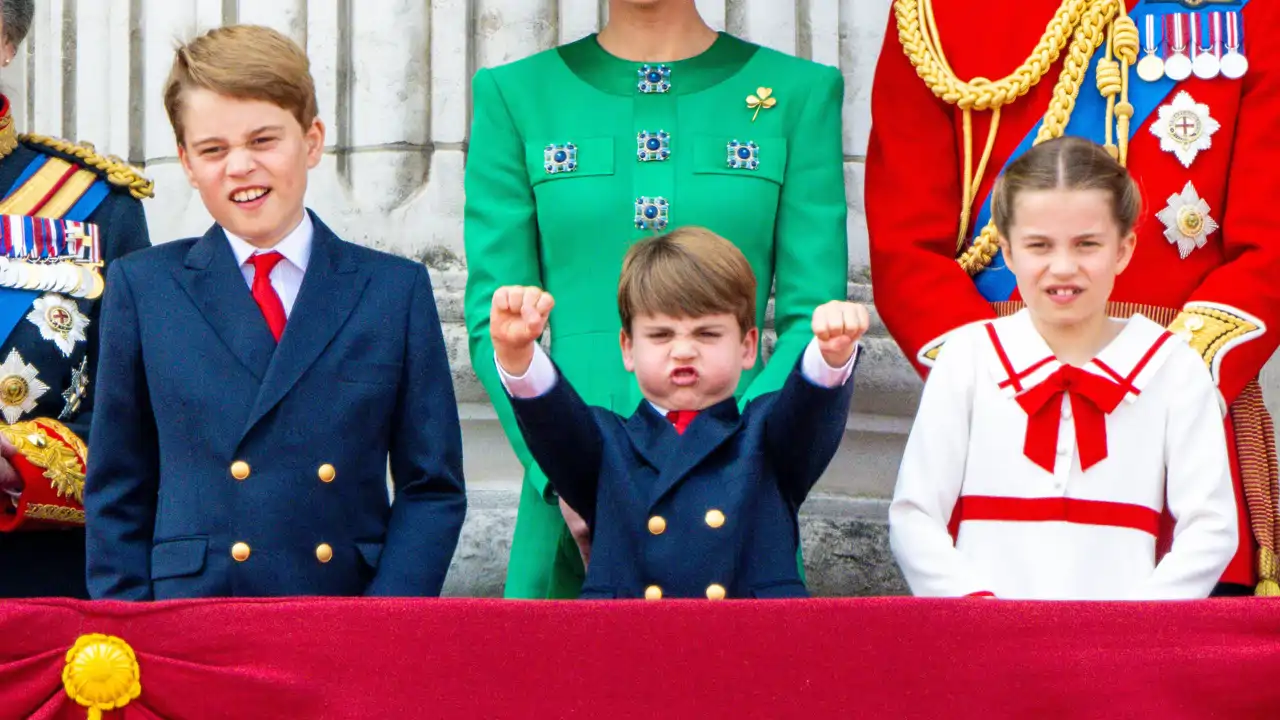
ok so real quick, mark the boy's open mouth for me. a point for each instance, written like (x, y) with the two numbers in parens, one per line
(249, 195)
(683, 376)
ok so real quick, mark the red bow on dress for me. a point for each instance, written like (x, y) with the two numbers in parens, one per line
(1091, 396)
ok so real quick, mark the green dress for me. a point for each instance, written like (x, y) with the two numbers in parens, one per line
(576, 154)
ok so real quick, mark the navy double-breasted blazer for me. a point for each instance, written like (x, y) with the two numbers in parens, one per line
(225, 465)
(712, 512)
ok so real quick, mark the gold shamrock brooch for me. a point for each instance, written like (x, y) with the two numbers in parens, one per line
(762, 100)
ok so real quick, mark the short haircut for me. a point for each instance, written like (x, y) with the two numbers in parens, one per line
(246, 62)
(1067, 163)
(689, 272)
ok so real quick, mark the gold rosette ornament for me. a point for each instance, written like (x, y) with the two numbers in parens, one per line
(101, 674)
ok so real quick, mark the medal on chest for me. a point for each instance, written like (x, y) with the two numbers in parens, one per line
(60, 321)
(1151, 67)
(1178, 65)
(1186, 220)
(1234, 63)
(20, 387)
(1184, 127)
(1206, 41)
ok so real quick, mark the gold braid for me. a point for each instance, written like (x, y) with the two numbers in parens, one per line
(118, 171)
(1080, 27)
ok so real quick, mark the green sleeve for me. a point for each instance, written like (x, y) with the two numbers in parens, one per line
(810, 244)
(500, 240)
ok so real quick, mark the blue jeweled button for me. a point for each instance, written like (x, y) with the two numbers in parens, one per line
(744, 156)
(560, 157)
(653, 146)
(651, 213)
(654, 79)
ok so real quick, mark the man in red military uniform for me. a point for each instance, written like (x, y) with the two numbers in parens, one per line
(1185, 92)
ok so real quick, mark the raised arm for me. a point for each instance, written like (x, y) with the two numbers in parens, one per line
(558, 427)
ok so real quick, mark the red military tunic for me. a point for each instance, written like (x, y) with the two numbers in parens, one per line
(1224, 294)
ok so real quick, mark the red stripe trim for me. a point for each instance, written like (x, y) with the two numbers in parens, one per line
(1108, 370)
(1151, 351)
(982, 593)
(1004, 359)
(1127, 382)
(53, 190)
(1072, 510)
(1026, 373)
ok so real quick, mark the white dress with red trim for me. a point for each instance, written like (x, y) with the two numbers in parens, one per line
(1024, 477)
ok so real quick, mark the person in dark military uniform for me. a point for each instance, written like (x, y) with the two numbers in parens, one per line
(65, 213)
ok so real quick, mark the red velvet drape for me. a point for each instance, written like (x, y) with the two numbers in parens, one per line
(883, 657)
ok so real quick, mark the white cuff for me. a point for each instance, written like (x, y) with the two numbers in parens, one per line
(536, 381)
(816, 370)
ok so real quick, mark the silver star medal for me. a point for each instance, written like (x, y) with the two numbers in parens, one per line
(75, 392)
(59, 320)
(19, 387)
(1184, 128)
(1186, 220)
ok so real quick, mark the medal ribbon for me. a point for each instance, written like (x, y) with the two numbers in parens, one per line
(1215, 34)
(1193, 20)
(23, 237)
(1233, 31)
(1177, 33)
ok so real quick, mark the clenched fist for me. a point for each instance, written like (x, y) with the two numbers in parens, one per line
(516, 321)
(838, 325)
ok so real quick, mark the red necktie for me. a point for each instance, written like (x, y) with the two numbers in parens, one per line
(1091, 396)
(265, 295)
(681, 419)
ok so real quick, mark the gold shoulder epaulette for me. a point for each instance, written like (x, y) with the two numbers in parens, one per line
(117, 171)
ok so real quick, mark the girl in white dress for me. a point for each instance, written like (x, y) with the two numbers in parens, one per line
(1048, 444)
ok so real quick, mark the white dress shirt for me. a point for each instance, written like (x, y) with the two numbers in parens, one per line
(541, 375)
(286, 276)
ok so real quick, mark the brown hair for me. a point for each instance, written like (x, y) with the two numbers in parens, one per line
(689, 272)
(1067, 163)
(247, 62)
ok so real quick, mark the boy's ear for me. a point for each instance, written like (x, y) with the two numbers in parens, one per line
(749, 343)
(314, 137)
(628, 361)
(186, 163)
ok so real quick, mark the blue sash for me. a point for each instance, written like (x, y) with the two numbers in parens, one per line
(1088, 120)
(16, 303)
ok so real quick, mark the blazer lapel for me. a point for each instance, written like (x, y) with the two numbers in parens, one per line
(331, 287)
(215, 283)
(704, 435)
(652, 436)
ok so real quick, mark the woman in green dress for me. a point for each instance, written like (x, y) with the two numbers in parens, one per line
(577, 152)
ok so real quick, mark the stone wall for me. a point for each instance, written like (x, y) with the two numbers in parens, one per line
(393, 80)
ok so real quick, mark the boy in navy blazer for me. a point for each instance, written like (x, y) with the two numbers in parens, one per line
(687, 497)
(255, 381)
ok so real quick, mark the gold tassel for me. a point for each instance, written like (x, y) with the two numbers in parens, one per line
(1267, 572)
